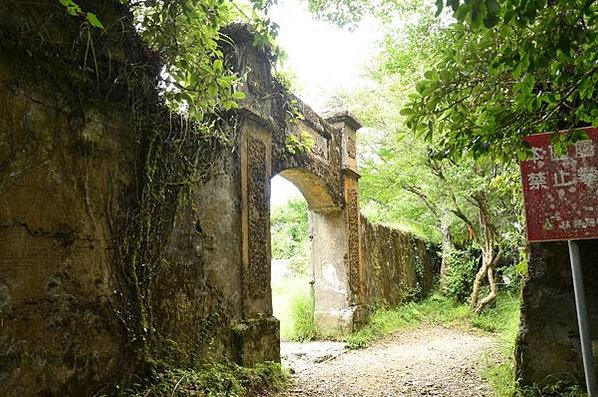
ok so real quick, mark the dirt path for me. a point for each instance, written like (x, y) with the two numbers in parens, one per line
(429, 361)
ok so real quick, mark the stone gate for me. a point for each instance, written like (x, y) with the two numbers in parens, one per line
(78, 311)
(271, 123)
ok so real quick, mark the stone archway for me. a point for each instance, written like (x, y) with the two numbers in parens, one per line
(327, 176)
(268, 122)
(327, 230)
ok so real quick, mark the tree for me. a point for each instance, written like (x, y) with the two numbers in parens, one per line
(289, 230)
(529, 67)
(468, 201)
(502, 70)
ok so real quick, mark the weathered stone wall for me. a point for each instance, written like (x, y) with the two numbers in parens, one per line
(108, 267)
(398, 266)
(548, 347)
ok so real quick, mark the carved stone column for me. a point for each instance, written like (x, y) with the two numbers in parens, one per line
(354, 262)
(258, 332)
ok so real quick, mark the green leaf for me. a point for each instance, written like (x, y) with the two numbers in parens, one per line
(94, 21)
(407, 111)
(218, 67)
(239, 95)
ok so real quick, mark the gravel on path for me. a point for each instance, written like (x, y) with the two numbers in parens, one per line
(427, 361)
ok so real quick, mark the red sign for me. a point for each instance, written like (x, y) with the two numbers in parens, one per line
(561, 191)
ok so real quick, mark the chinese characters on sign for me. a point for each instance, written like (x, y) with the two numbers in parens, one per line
(561, 191)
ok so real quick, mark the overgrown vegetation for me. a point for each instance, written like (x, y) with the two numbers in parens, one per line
(436, 309)
(502, 320)
(289, 233)
(212, 380)
(302, 312)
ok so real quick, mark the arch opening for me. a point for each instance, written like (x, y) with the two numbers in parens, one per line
(308, 242)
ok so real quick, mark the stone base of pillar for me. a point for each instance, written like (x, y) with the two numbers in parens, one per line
(348, 319)
(258, 340)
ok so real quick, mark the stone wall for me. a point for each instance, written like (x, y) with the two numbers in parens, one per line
(548, 347)
(398, 266)
(108, 266)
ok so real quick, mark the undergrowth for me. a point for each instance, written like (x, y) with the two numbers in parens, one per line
(302, 312)
(212, 380)
(437, 309)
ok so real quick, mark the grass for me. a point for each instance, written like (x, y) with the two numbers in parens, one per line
(212, 380)
(293, 306)
(502, 319)
(435, 310)
(302, 313)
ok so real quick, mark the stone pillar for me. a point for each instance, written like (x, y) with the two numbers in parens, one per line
(258, 332)
(353, 256)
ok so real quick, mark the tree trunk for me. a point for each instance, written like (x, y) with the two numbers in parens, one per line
(490, 257)
(489, 260)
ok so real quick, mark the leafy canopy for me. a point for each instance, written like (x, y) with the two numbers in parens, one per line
(501, 70)
(186, 34)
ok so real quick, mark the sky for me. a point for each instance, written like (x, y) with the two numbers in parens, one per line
(324, 60)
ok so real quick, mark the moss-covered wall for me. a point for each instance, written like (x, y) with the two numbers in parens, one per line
(116, 221)
(61, 167)
(398, 266)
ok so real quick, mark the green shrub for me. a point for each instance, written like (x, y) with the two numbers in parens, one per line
(560, 389)
(457, 283)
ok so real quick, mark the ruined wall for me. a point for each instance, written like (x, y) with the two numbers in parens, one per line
(398, 266)
(109, 267)
(548, 347)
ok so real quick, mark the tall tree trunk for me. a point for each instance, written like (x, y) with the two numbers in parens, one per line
(490, 258)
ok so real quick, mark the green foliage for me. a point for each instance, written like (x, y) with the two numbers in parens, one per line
(293, 305)
(436, 309)
(289, 230)
(299, 144)
(461, 269)
(212, 380)
(506, 71)
(283, 291)
(560, 389)
(348, 13)
(302, 311)
(187, 37)
(75, 10)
